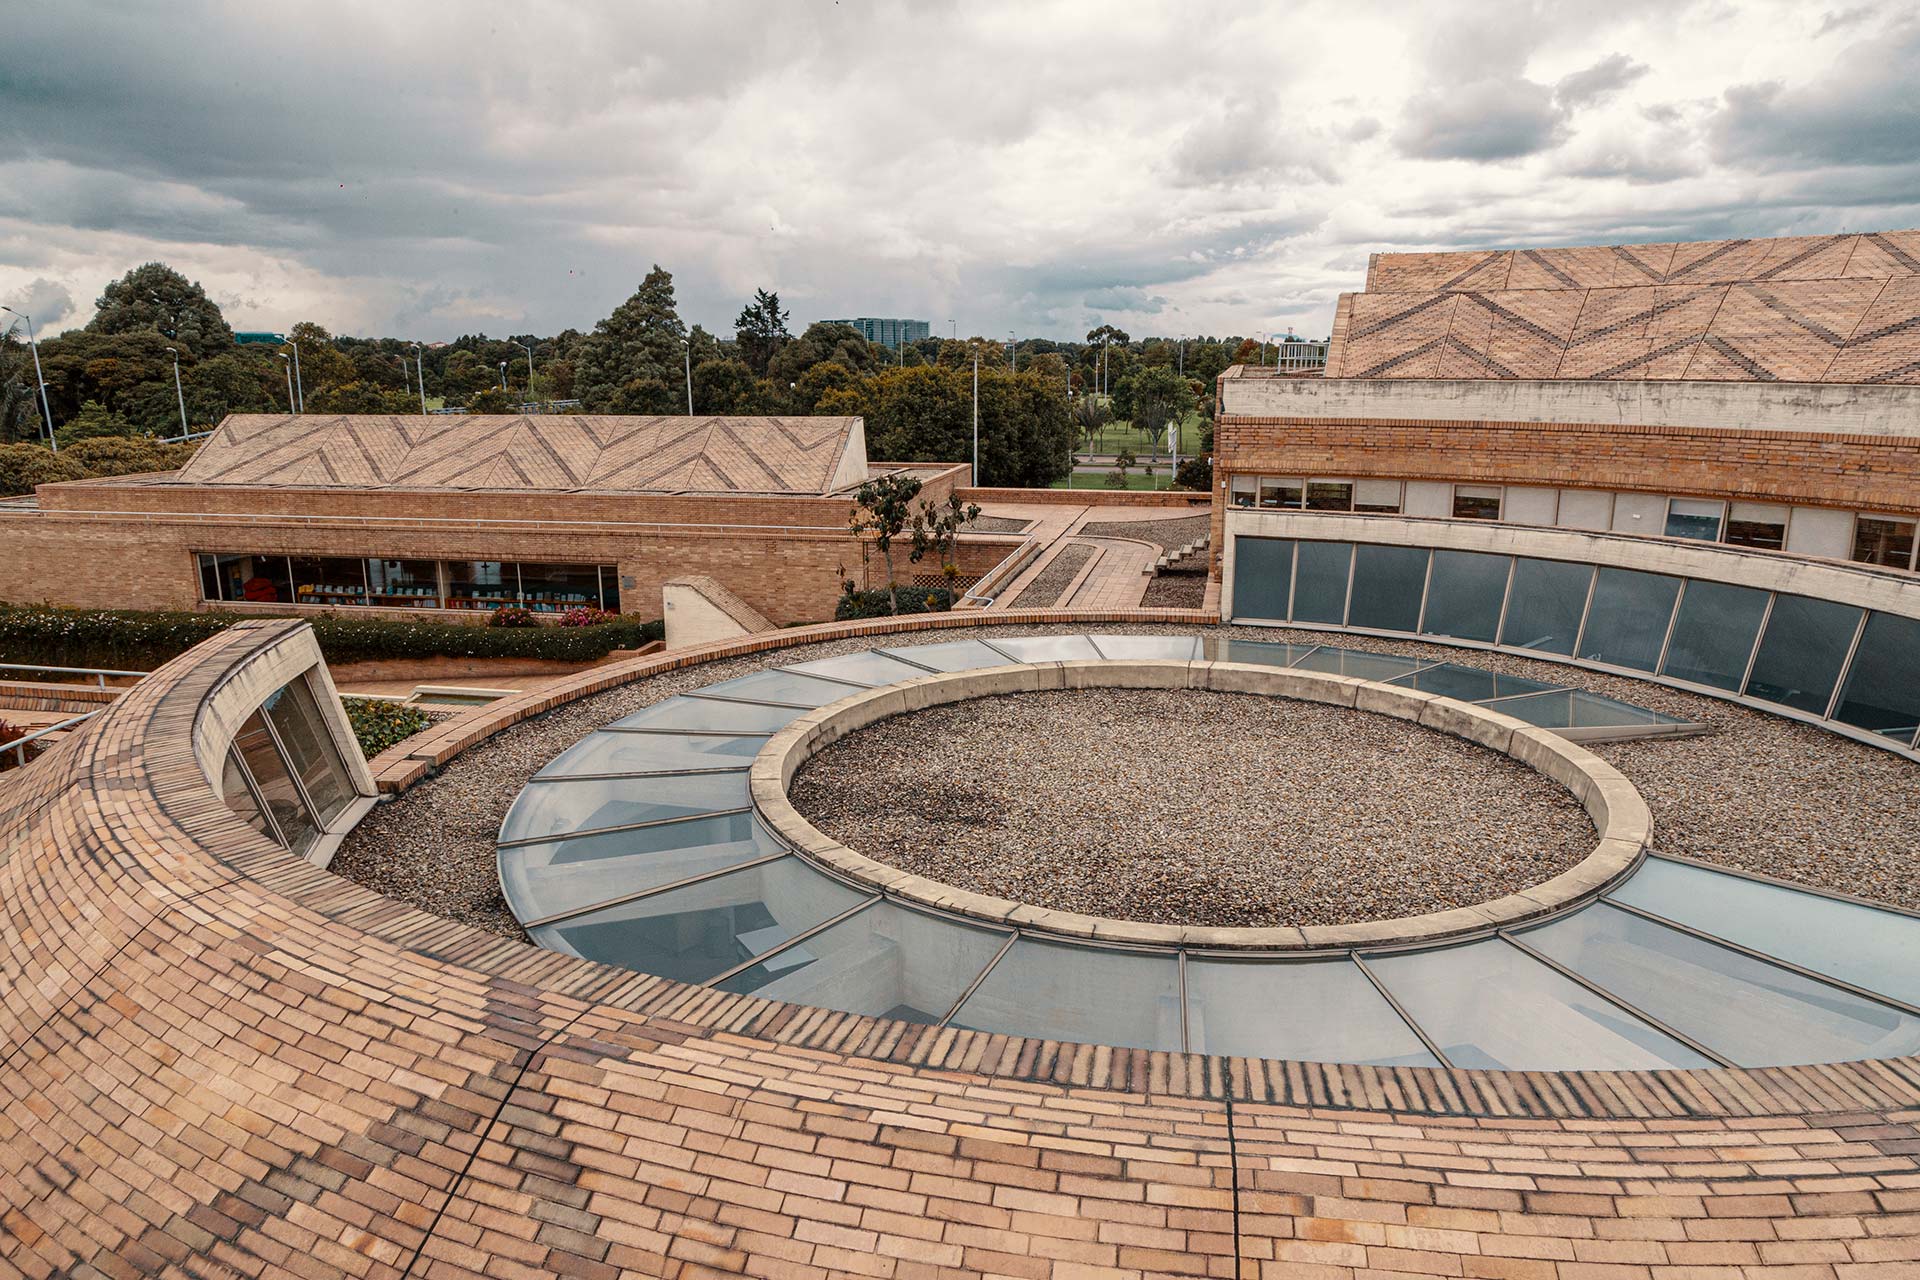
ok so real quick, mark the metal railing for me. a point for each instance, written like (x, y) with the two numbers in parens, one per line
(18, 747)
(99, 674)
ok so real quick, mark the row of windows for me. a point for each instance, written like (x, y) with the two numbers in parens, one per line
(1836, 661)
(284, 774)
(1888, 541)
(407, 584)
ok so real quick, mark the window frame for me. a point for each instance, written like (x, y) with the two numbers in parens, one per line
(1499, 492)
(1913, 539)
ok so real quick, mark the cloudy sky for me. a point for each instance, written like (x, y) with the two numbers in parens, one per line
(447, 166)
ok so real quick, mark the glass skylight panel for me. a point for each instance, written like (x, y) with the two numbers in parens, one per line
(1882, 692)
(951, 655)
(1465, 594)
(781, 687)
(558, 808)
(1489, 1005)
(1262, 577)
(1748, 1011)
(886, 962)
(1164, 648)
(704, 715)
(1545, 605)
(1801, 654)
(1470, 684)
(641, 753)
(541, 880)
(872, 668)
(1361, 666)
(1713, 634)
(1874, 949)
(1307, 1011)
(1060, 991)
(702, 930)
(1320, 586)
(1628, 621)
(1048, 648)
(1578, 709)
(1387, 584)
(1264, 653)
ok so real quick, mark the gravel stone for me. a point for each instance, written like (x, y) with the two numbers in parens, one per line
(1116, 802)
(1052, 580)
(1175, 591)
(996, 524)
(1170, 535)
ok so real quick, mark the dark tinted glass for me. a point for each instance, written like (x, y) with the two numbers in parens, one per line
(1713, 636)
(1628, 621)
(1465, 594)
(1262, 575)
(1883, 684)
(1544, 607)
(1387, 583)
(1801, 653)
(1320, 594)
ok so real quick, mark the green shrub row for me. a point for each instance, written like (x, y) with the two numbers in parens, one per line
(873, 604)
(379, 724)
(141, 640)
(22, 466)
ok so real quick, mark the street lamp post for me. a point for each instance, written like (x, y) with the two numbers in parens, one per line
(1183, 357)
(503, 375)
(976, 416)
(1013, 353)
(288, 363)
(686, 351)
(420, 361)
(299, 386)
(46, 414)
(178, 394)
(530, 392)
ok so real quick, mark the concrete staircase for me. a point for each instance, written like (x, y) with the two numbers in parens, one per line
(1172, 559)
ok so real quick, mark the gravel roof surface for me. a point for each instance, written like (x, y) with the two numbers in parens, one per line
(996, 524)
(1052, 580)
(1169, 534)
(1758, 792)
(1175, 591)
(1115, 802)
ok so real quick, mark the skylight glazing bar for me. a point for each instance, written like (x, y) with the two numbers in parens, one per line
(622, 900)
(523, 841)
(1598, 990)
(794, 941)
(1394, 1004)
(980, 977)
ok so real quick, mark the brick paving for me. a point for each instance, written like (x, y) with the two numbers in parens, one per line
(220, 1061)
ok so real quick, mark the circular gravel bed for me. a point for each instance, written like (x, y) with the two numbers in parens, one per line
(1191, 807)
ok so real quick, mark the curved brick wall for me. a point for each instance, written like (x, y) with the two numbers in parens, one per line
(219, 1060)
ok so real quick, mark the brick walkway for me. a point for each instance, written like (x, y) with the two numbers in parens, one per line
(1117, 578)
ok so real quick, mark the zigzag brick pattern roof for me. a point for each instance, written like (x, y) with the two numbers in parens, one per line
(579, 453)
(1798, 309)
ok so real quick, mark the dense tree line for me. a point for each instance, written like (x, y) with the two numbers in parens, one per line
(115, 376)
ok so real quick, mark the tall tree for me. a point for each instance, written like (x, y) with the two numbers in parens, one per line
(760, 329)
(19, 408)
(633, 361)
(157, 297)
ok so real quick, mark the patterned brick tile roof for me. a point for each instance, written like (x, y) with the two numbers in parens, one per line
(590, 453)
(1843, 308)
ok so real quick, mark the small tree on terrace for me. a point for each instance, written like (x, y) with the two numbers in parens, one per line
(935, 530)
(882, 507)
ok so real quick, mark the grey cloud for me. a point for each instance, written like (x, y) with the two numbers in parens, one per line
(1840, 19)
(1864, 111)
(1487, 120)
(1600, 81)
(46, 301)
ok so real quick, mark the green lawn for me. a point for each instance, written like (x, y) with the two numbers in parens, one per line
(1125, 434)
(1135, 480)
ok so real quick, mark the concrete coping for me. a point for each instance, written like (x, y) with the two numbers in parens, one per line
(1620, 816)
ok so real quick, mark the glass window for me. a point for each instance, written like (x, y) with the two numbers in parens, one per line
(1578, 709)
(1359, 665)
(582, 804)
(1387, 585)
(695, 932)
(1287, 494)
(1753, 1013)
(261, 579)
(1263, 653)
(481, 584)
(780, 686)
(610, 588)
(404, 584)
(262, 758)
(1310, 1011)
(1320, 586)
(952, 655)
(643, 753)
(1169, 648)
(328, 580)
(1057, 991)
(1471, 684)
(1244, 490)
(1330, 495)
(1757, 524)
(1465, 595)
(1048, 648)
(1627, 624)
(555, 588)
(870, 668)
(1262, 577)
(710, 716)
(238, 793)
(1476, 502)
(1714, 633)
(1869, 948)
(1690, 518)
(1489, 1005)
(886, 962)
(1800, 656)
(1545, 605)
(1377, 496)
(564, 876)
(1882, 692)
(316, 760)
(1883, 541)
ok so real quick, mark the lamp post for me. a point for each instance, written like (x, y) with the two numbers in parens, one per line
(530, 392)
(976, 416)
(1183, 357)
(287, 361)
(420, 361)
(406, 375)
(503, 376)
(46, 414)
(178, 394)
(300, 386)
(1013, 353)
(686, 352)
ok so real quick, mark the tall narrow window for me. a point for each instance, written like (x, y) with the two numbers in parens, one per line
(1476, 502)
(296, 715)
(277, 789)
(1883, 540)
(1330, 495)
(1692, 518)
(1757, 524)
(1379, 497)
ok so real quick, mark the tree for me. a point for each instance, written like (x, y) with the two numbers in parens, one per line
(1194, 473)
(925, 414)
(881, 507)
(760, 329)
(93, 422)
(1158, 396)
(1091, 415)
(322, 365)
(156, 297)
(728, 386)
(936, 529)
(19, 406)
(1104, 337)
(633, 357)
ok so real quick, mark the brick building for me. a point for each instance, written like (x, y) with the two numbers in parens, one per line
(460, 515)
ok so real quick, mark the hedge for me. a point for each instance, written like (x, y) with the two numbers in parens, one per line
(379, 724)
(141, 640)
(873, 604)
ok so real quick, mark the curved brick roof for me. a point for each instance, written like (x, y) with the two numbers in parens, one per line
(221, 1061)
(1842, 308)
(578, 453)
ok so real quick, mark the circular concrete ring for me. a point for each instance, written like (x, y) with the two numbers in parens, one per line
(1619, 814)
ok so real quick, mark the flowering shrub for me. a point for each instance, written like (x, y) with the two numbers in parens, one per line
(379, 724)
(512, 616)
(587, 616)
(13, 733)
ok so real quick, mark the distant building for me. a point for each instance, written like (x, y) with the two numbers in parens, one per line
(888, 333)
